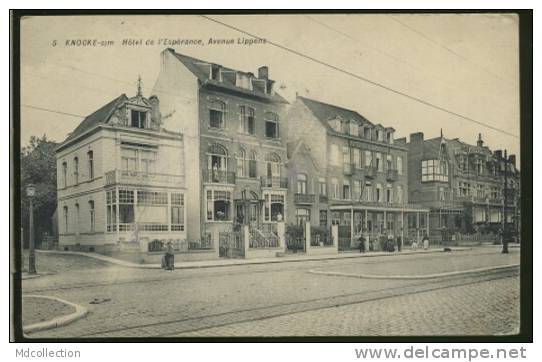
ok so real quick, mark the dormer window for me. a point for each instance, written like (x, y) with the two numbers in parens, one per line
(139, 119)
(354, 129)
(389, 137)
(215, 72)
(367, 133)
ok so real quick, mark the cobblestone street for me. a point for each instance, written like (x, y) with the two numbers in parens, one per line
(286, 299)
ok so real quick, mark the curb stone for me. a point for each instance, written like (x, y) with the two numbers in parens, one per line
(237, 262)
(79, 313)
(414, 277)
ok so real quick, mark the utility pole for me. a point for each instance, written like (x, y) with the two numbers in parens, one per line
(30, 192)
(505, 200)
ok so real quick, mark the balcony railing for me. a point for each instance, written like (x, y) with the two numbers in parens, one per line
(219, 176)
(142, 178)
(370, 172)
(304, 198)
(275, 181)
(323, 198)
(392, 175)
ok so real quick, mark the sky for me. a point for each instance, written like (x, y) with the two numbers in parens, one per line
(465, 63)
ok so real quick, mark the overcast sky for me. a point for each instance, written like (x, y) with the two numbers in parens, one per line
(464, 63)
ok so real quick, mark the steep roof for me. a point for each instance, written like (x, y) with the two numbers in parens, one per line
(325, 112)
(100, 116)
(191, 64)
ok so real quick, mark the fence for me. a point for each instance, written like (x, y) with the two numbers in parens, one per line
(320, 236)
(263, 239)
(231, 244)
(344, 237)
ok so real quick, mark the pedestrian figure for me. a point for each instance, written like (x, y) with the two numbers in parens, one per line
(168, 260)
(425, 242)
(361, 240)
(399, 242)
(390, 246)
(414, 245)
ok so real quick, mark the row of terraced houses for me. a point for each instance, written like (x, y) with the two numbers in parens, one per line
(215, 161)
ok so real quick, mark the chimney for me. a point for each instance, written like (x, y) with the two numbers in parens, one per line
(480, 142)
(512, 160)
(263, 72)
(155, 110)
(416, 137)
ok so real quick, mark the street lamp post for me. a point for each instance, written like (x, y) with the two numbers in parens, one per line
(31, 192)
(505, 200)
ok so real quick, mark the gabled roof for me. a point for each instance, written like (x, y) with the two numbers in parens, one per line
(101, 116)
(326, 112)
(191, 64)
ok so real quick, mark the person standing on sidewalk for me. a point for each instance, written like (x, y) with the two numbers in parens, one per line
(399, 242)
(425, 242)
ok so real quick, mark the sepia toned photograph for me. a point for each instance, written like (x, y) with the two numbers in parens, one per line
(190, 176)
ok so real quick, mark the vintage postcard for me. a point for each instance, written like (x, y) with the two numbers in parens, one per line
(269, 175)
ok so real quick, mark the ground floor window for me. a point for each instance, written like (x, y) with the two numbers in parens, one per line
(323, 218)
(273, 207)
(218, 205)
(302, 216)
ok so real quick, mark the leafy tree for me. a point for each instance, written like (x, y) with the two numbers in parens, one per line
(38, 166)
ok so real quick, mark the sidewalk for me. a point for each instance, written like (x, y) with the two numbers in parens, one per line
(235, 262)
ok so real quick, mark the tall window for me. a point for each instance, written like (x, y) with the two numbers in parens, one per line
(389, 137)
(248, 122)
(65, 173)
(90, 159)
(217, 158)
(177, 212)
(367, 133)
(389, 194)
(76, 169)
(346, 155)
(368, 159)
(400, 194)
(434, 170)
(252, 168)
(273, 207)
(129, 159)
(323, 218)
(399, 161)
(322, 186)
(218, 205)
(334, 155)
(356, 190)
(139, 119)
(346, 190)
(273, 165)
(65, 214)
(334, 188)
(241, 163)
(92, 215)
(389, 162)
(77, 220)
(357, 157)
(302, 216)
(111, 209)
(379, 165)
(379, 196)
(126, 210)
(271, 125)
(301, 183)
(368, 191)
(216, 114)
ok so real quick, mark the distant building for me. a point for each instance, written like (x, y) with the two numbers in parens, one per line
(121, 179)
(349, 171)
(462, 184)
(235, 139)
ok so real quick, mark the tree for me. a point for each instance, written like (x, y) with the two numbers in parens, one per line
(38, 166)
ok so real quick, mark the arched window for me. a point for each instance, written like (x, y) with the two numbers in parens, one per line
(252, 166)
(241, 163)
(216, 114)
(76, 169)
(90, 158)
(271, 125)
(65, 211)
(217, 163)
(273, 164)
